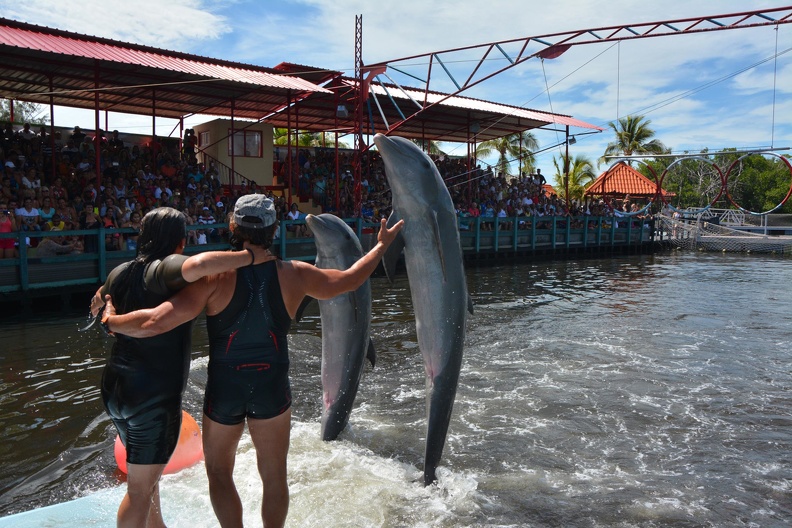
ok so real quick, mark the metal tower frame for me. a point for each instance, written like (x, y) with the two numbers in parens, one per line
(550, 46)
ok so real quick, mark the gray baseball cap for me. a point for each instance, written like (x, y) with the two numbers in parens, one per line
(257, 206)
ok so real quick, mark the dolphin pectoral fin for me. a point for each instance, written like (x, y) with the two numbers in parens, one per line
(392, 254)
(301, 309)
(470, 305)
(352, 299)
(438, 242)
(371, 354)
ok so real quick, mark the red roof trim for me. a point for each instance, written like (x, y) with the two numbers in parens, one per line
(37, 38)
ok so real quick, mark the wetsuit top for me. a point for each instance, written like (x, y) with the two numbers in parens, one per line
(252, 329)
(161, 362)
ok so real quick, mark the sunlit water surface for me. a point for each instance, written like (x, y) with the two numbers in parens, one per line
(636, 391)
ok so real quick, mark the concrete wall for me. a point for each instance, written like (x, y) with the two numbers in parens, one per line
(257, 169)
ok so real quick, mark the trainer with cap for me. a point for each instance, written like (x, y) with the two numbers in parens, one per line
(248, 315)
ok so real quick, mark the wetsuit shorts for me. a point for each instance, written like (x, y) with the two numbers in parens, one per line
(151, 435)
(256, 390)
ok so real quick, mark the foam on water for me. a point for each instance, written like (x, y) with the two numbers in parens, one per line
(649, 391)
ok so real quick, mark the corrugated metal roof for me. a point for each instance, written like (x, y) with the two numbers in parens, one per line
(44, 65)
(469, 103)
(450, 120)
(621, 179)
(37, 63)
(111, 51)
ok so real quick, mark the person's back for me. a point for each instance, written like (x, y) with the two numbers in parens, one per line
(160, 363)
(248, 341)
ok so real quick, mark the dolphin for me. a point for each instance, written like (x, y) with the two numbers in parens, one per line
(435, 270)
(346, 321)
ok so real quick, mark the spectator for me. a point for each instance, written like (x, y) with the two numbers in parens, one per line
(115, 144)
(112, 240)
(46, 210)
(77, 136)
(206, 218)
(7, 225)
(53, 246)
(163, 192)
(55, 224)
(134, 222)
(295, 214)
(28, 216)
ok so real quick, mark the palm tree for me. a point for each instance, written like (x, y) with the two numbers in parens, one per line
(633, 136)
(305, 139)
(511, 147)
(581, 173)
(434, 146)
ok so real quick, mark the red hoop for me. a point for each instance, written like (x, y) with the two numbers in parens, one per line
(741, 208)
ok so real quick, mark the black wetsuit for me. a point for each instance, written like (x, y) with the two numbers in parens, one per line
(143, 380)
(249, 353)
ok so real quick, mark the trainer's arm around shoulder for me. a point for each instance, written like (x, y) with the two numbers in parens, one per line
(215, 262)
(182, 307)
(194, 268)
(299, 279)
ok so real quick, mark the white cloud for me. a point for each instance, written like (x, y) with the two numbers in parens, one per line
(688, 85)
(171, 25)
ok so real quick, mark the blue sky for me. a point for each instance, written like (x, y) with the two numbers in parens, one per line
(700, 91)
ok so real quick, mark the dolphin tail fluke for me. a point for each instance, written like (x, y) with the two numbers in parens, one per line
(371, 354)
(393, 253)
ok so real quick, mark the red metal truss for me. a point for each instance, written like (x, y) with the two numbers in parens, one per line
(550, 46)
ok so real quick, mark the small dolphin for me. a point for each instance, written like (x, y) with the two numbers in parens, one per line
(433, 257)
(346, 320)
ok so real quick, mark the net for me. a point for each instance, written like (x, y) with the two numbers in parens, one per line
(701, 233)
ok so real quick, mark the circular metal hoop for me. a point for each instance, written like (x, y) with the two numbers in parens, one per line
(705, 160)
(741, 208)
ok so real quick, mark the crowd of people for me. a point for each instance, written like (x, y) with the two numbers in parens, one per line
(51, 184)
(477, 192)
(54, 184)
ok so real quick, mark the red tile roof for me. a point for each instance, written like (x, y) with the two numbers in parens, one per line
(620, 180)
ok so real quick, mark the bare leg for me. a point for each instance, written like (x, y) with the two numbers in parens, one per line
(271, 439)
(220, 445)
(141, 504)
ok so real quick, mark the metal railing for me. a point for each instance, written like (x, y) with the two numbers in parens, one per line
(481, 236)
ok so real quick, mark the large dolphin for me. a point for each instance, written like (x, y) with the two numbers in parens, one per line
(346, 320)
(433, 257)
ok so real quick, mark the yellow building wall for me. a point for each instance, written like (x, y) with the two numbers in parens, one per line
(256, 169)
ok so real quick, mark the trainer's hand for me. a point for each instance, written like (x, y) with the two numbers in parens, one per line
(96, 304)
(109, 308)
(385, 235)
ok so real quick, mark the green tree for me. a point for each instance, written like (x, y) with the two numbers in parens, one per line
(509, 148)
(303, 138)
(581, 173)
(633, 136)
(24, 112)
(757, 183)
(434, 146)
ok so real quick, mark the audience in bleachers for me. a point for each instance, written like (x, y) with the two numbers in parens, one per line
(44, 176)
